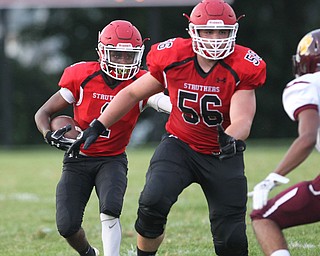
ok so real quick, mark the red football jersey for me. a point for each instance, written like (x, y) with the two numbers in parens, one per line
(201, 100)
(92, 91)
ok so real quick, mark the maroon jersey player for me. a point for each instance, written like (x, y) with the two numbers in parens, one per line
(300, 203)
(211, 83)
(89, 87)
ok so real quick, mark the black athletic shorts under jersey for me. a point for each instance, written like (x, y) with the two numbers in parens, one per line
(108, 175)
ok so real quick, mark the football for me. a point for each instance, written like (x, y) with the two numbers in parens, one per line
(61, 121)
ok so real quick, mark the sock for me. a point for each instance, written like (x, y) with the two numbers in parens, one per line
(281, 252)
(142, 253)
(111, 234)
(88, 252)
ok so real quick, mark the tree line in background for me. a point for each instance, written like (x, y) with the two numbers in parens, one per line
(55, 38)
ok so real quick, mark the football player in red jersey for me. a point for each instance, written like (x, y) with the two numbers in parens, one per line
(211, 83)
(90, 87)
(301, 101)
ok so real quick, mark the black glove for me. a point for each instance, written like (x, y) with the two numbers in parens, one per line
(229, 146)
(88, 136)
(56, 138)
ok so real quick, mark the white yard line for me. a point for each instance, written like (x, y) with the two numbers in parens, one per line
(297, 244)
(20, 197)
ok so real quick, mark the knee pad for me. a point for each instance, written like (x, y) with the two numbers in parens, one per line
(232, 241)
(111, 207)
(150, 224)
(66, 230)
(111, 213)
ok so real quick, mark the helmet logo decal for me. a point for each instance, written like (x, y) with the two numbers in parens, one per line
(305, 44)
(215, 22)
(124, 45)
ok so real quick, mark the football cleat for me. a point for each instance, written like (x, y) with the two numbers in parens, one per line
(96, 251)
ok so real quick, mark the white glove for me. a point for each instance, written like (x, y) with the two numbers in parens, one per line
(261, 190)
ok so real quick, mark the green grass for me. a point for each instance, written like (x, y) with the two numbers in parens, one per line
(28, 177)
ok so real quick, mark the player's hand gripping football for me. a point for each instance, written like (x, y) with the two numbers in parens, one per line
(57, 139)
(261, 190)
(229, 146)
(88, 136)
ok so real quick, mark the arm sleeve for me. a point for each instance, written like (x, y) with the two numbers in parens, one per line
(160, 102)
(297, 96)
(67, 95)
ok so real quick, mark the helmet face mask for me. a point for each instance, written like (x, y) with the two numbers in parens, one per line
(120, 50)
(213, 49)
(121, 63)
(213, 15)
(307, 58)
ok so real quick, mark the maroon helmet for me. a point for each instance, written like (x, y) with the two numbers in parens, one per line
(307, 58)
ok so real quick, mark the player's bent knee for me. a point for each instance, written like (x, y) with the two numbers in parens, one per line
(111, 206)
(113, 213)
(150, 224)
(234, 242)
(67, 230)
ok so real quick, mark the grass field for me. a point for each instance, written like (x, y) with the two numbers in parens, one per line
(28, 177)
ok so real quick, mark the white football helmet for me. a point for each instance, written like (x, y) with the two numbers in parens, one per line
(120, 50)
(213, 14)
